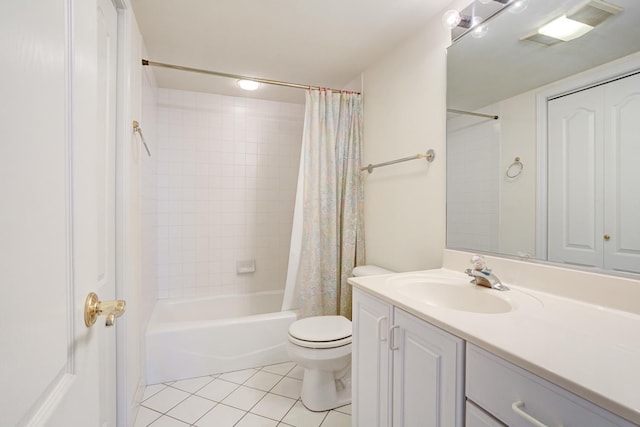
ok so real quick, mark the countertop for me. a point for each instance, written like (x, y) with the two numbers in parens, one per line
(590, 350)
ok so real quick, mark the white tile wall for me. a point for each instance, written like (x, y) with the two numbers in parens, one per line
(473, 172)
(226, 177)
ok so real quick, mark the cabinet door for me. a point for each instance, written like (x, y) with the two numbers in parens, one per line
(370, 368)
(427, 374)
(622, 175)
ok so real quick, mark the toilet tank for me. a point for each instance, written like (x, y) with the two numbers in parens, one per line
(369, 270)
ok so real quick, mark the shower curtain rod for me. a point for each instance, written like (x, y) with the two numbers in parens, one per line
(239, 77)
(469, 113)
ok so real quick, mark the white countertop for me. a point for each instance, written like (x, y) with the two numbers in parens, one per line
(587, 349)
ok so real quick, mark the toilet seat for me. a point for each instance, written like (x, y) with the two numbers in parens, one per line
(321, 332)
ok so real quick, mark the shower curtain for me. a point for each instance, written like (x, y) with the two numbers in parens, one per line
(327, 239)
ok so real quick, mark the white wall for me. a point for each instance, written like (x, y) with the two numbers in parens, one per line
(518, 196)
(227, 172)
(404, 114)
(148, 195)
(136, 281)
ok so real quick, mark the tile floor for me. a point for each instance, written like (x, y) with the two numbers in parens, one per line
(262, 397)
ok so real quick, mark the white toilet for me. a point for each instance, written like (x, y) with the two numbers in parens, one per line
(322, 346)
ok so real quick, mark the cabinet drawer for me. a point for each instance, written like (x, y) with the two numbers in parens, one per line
(512, 394)
(476, 417)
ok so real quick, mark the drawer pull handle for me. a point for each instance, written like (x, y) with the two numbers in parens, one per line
(518, 408)
(382, 337)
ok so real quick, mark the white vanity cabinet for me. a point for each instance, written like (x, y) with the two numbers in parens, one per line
(406, 372)
(519, 398)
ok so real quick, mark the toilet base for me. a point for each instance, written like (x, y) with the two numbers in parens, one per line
(321, 391)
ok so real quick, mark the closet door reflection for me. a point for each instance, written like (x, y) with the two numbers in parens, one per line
(622, 175)
(594, 172)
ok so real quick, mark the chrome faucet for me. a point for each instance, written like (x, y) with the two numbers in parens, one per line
(483, 276)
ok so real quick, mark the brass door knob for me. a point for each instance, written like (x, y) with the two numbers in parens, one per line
(607, 237)
(93, 308)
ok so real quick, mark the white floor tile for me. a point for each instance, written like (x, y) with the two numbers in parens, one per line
(220, 416)
(192, 409)
(346, 409)
(165, 421)
(289, 387)
(238, 377)
(192, 384)
(299, 416)
(263, 380)
(251, 420)
(297, 372)
(273, 406)
(181, 408)
(146, 416)
(151, 390)
(165, 399)
(280, 368)
(217, 390)
(336, 419)
(244, 398)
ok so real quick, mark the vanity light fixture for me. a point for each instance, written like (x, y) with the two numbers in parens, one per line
(248, 84)
(518, 6)
(480, 31)
(452, 18)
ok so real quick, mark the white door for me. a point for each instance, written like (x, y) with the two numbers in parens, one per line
(622, 175)
(594, 153)
(575, 178)
(107, 54)
(55, 217)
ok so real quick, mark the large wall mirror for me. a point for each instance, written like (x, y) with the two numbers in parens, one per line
(556, 176)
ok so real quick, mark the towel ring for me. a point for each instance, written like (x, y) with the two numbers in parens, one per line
(515, 168)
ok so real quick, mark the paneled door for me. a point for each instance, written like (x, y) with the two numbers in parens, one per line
(56, 220)
(622, 175)
(576, 178)
(594, 153)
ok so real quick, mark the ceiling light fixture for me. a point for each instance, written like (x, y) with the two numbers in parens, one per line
(248, 84)
(564, 29)
(576, 23)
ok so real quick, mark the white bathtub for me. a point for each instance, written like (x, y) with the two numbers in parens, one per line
(194, 337)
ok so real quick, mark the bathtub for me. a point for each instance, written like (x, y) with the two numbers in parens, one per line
(194, 337)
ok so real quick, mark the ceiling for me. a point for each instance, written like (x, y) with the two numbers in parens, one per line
(324, 43)
(505, 65)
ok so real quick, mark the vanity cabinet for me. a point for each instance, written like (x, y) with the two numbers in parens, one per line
(406, 372)
(519, 398)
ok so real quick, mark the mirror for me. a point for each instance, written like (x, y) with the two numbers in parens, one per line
(503, 193)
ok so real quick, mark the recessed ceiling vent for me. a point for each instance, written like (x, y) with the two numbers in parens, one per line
(541, 38)
(594, 13)
(576, 23)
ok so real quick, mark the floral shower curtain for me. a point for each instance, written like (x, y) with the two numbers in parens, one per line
(331, 241)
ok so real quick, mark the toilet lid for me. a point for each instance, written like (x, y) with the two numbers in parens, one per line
(321, 329)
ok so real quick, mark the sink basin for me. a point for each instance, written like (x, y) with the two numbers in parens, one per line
(453, 294)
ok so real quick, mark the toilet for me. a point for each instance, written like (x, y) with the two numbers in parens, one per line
(322, 346)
